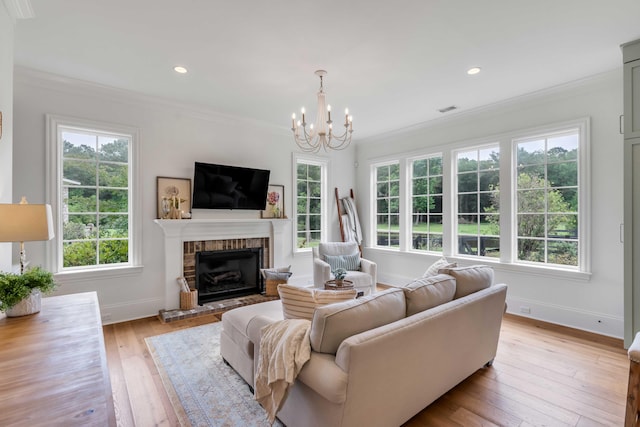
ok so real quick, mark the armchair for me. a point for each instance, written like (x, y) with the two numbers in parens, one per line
(364, 279)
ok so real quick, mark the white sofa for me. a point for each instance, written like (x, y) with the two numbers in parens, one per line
(401, 358)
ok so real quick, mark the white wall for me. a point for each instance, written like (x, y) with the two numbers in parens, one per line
(595, 304)
(172, 138)
(6, 107)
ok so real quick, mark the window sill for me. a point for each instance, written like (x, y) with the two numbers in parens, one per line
(98, 273)
(543, 271)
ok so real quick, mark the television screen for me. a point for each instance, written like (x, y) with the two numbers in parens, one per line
(229, 187)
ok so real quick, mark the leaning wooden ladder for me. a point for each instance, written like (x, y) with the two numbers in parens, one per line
(341, 212)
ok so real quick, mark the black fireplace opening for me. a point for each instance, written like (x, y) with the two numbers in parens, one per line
(228, 273)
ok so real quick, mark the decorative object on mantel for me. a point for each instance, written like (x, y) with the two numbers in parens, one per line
(275, 202)
(322, 135)
(24, 222)
(20, 294)
(174, 198)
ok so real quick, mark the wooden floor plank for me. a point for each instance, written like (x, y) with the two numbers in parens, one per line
(543, 374)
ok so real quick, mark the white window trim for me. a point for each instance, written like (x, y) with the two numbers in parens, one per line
(583, 125)
(453, 250)
(54, 195)
(325, 165)
(407, 243)
(373, 212)
(508, 253)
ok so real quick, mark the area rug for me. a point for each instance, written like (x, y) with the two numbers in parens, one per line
(203, 390)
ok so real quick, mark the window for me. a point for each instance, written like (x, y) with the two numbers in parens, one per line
(547, 198)
(387, 184)
(310, 202)
(520, 198)
(477, 190)
(94, 179)
(426, 204)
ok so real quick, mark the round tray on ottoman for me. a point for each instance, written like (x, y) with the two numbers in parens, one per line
(333, 286)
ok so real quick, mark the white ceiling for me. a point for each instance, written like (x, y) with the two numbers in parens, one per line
(393, 64)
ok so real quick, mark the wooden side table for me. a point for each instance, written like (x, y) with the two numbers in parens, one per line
(53, 366)
(332, 286)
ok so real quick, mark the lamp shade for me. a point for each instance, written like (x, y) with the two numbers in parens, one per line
(25, 222)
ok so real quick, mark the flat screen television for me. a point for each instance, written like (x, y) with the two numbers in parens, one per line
(229, 187)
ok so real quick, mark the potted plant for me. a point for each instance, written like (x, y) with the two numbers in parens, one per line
(20, 294)
(339, 274)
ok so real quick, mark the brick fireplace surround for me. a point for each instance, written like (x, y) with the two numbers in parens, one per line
(184, 237)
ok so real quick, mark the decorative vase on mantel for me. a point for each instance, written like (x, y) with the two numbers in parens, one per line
(30, 305)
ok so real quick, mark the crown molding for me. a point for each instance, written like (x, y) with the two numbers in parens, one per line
(536, 96)
(19, 9)
(64, 84)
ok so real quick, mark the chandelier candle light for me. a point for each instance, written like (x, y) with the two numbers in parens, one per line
(321, 135)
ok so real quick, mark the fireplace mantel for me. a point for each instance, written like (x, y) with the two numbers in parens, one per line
(178, 231)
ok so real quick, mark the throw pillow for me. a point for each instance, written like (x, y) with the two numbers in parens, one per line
(334, 323)
(273, 279)
(275, 270)
(348, 262)
(441, 263)
(470, 279)
(300, 303)
(428, 292)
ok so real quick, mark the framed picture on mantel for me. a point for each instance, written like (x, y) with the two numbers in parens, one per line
(275, 202)
(174, 198)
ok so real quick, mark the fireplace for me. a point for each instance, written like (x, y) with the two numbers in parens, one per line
(222, 274)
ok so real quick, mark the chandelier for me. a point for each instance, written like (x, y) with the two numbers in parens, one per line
(321, 134)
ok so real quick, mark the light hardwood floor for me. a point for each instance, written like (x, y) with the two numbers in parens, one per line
(543, 375)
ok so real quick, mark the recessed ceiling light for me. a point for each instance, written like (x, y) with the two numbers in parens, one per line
(179, 69)
(474, 70)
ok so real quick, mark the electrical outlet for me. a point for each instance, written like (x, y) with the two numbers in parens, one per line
(106, 317)
(525, 310)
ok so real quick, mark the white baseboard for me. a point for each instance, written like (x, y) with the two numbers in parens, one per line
(130, 310)
(599, 323)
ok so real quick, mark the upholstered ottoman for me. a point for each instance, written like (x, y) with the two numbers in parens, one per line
(235, 345)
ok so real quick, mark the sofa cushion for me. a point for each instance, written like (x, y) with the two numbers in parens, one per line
(441, 263)
(428, 292)
(470, 279)
(334, 323)
(348, 262)
(300, 303)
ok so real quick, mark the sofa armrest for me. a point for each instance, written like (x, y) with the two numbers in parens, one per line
(255, 325)
(322, 375)
(321, 272)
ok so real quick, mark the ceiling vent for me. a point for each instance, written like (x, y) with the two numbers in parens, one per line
(447, 109)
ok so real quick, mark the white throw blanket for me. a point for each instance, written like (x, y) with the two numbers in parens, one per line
(355, 232)
(284, 349)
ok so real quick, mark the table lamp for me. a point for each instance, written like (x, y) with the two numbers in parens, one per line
(24, 222)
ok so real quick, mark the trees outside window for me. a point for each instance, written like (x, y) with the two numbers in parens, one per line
(310, 202)
(458, 205)
(478, 215)
(426, 204)
(92, 185)
(387, 204)
(547, 199)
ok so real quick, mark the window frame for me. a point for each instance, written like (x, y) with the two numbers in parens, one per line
(455, 199)
(54, 167)
(401, 201)
(324, 165)
(410, 196)
(583, 127)
(508, 210)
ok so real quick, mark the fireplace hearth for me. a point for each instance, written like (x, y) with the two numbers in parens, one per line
(223, 274)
